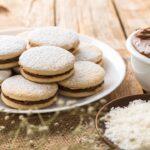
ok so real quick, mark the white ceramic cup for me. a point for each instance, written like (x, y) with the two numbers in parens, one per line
(140, 65)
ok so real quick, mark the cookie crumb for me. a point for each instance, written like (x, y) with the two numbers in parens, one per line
(6, 117)
(43, 128)
(13, 121)
(2, 128)
(90, 109)
(21, 117)
(70, 102)
(29, 131)
(31, 143)
(56, 124)
(103, 101)
(60, 102)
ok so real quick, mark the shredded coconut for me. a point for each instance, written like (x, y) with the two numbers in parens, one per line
(129, 127)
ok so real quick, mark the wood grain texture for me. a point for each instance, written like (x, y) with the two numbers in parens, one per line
(133, 13)
(91, 19)
(37, 14)
(66, 14)
(27, 13)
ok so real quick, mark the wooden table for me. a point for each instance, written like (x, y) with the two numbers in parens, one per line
(108, 20)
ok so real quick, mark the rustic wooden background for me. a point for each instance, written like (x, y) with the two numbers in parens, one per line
(108, 20)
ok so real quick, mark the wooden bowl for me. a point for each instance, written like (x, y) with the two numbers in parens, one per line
(121, 102)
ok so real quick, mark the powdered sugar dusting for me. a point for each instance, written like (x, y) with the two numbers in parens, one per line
(55, 36)
(88, 53)
(11, 44)
(47, 58)
(4, 74)
(18, 85)
(86, 74)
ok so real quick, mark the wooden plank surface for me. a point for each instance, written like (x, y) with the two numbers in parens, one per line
(134, 14)
(91, 20)
(26, 13)
(66, 14)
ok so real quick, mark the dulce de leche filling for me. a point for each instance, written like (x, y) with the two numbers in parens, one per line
(100, 61)
(29, 102)
(141, 41)
(15, 59)
(143, 33)
(72, 50)
(45, 76)
(81, 90)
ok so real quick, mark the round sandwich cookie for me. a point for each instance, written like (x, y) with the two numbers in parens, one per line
(87, 80)
(26, 94)
(46, 64)
(4, 74)
(10, 49)
(54, 36)
(89, 53)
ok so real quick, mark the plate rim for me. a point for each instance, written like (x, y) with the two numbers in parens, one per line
(63, 108)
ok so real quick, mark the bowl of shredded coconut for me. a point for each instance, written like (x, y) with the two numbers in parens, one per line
(124, 123)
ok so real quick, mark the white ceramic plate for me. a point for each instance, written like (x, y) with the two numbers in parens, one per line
(115, 73)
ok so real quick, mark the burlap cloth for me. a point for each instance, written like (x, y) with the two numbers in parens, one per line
(69, 130)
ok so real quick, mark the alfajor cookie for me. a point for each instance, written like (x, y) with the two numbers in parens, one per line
(10, 49)
(19, 93)
(54, 36)
(46, 64)
(4, 74)
(87, 80)
(89, 53)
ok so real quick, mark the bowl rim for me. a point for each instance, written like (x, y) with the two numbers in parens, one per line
(133, 51)
(106, 140)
